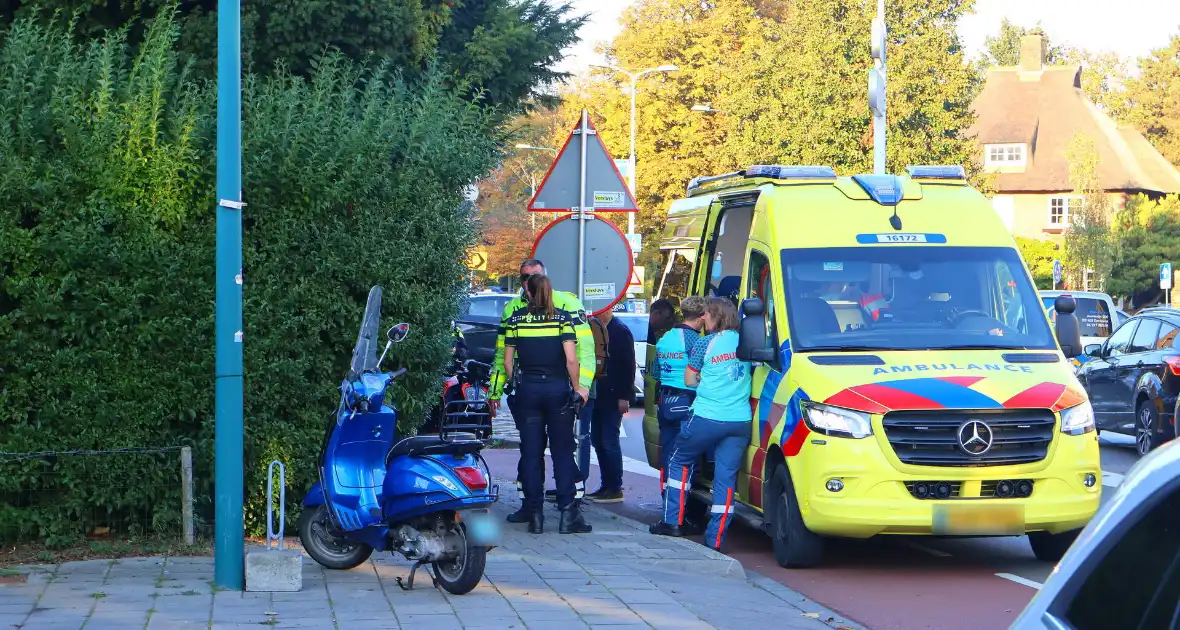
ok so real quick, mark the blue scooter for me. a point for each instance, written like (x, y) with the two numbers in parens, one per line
(424, 496)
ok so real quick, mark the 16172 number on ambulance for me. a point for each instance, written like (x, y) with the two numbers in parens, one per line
(907, 380)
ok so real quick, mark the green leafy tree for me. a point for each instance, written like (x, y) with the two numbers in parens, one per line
(1003, 48)
(1089, 244)
(1038, 256)
(1154, 99)
(509, 47)
(786, 84)
(1147, 231)
(353, 177)
(504, 48)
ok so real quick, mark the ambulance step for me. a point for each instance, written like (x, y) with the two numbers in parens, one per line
(742, 512)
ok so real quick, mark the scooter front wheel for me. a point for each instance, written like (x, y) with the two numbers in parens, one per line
(327, 547)
(461, 575)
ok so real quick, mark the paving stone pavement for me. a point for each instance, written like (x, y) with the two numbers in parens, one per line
(618, 576)
(503, 427)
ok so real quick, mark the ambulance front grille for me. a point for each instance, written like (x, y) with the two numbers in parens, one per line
(931, 438)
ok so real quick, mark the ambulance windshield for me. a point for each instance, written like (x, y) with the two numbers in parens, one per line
(912, 298)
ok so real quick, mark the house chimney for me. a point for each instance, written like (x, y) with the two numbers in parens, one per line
(1032, 52)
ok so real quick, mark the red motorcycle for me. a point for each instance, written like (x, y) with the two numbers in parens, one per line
(464, 391)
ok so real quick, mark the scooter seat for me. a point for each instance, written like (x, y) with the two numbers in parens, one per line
(460, 444)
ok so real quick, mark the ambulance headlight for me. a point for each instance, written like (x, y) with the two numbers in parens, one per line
(836, 421)
(1078, 420)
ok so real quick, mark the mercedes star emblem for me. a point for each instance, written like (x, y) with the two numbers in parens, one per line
(975, 437)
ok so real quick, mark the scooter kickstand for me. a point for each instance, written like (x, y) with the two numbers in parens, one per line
(409, 584)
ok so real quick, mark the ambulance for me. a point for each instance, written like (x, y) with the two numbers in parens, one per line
(906, 378)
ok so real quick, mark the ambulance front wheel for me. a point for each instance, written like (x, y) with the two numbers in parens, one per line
(1051, 547)
(795, 546)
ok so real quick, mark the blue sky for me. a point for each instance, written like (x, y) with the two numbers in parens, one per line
(1131, 28)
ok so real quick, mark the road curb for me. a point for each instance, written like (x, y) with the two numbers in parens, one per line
(720, 565)
(798, 600)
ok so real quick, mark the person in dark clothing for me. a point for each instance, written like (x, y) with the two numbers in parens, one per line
(539, 356)
(660, 319)
(615, 393)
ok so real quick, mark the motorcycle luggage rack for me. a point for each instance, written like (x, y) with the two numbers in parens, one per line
(472, 417)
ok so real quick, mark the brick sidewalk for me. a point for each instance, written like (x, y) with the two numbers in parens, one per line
(617, 576)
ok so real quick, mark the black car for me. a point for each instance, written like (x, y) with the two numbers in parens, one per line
(479, 319)
(1133, 378)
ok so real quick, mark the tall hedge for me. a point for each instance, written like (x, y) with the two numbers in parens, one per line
(352, 178)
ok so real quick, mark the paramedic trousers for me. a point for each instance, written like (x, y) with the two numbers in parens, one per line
(697, 436)
(672, 411)
(545, 416)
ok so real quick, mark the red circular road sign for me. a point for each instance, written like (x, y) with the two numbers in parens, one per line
(608, 264)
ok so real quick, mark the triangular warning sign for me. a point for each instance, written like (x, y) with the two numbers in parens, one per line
(635, 281)
(605, 189)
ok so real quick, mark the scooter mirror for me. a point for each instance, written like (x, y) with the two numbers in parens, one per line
(398, 333)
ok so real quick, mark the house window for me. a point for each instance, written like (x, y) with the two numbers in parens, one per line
(1004, 155)
(1060, 208)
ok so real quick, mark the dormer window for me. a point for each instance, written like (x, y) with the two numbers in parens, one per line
(1001, 155)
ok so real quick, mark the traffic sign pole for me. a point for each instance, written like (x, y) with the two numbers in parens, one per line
(877, 90)
(585, 128)
(228, 545)
(1166, 281)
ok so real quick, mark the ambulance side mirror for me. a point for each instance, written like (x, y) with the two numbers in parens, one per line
(752, 333)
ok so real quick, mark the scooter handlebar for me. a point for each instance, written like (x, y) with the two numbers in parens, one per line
(398, 373)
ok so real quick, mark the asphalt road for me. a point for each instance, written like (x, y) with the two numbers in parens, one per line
(889, 582)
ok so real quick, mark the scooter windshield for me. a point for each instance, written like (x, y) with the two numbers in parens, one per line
(364, 354)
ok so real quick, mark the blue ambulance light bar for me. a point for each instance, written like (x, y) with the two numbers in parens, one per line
(791, 172)
(937, 172)
(884, 189)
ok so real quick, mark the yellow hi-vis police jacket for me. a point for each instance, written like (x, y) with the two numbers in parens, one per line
(569, 303)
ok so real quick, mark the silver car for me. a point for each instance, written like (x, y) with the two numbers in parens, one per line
(1123, 571)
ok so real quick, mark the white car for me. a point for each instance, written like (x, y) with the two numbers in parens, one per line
(1097, 316)
(637, 323)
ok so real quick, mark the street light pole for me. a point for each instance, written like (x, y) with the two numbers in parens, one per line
(228, 569)
(634, 76)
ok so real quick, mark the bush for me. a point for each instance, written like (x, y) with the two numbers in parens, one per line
(1038, 256)
(352, 177)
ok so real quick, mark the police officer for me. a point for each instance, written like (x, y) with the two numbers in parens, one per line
(675, 395)
(541, 361)
(585, 351)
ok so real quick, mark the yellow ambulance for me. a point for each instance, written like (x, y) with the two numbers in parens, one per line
(906, 381)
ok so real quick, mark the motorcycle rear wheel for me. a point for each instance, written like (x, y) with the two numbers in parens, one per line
(461, 575)
(330, 550)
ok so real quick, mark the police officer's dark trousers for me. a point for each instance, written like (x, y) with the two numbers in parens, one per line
(544, 409)
(517, 416)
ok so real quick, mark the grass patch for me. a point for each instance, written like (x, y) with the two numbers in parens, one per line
(98, 595)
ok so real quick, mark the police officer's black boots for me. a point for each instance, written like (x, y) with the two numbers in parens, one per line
(520, 516)
(572, 521)
(537, 521)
